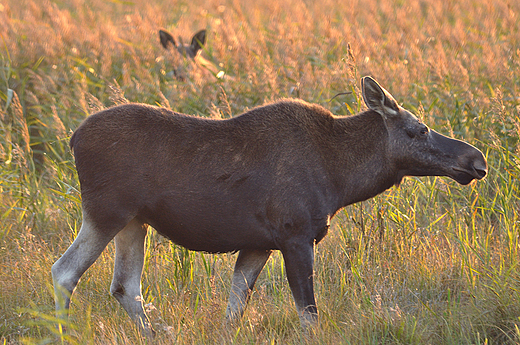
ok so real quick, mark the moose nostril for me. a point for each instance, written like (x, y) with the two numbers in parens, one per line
(481, 172)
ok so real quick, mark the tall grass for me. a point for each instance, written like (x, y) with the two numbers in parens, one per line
(428, 262)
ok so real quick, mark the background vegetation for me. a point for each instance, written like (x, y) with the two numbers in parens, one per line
(430, 262)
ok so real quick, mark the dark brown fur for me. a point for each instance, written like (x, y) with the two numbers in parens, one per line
(269, 179)
(189, 177)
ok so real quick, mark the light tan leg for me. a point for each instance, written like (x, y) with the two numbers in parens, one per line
(82, 253)
(128, 267)
(247, 269)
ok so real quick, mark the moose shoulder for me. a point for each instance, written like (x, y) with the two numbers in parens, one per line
(269, 179)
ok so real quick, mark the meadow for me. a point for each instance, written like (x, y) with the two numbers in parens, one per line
(429, 262)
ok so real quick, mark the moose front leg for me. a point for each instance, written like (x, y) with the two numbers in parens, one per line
(299, 261)
(247, 268)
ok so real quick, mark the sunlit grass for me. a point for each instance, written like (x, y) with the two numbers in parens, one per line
(428, 262)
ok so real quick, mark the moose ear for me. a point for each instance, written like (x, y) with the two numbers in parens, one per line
(198, 40)
(377, 98)
(166, 39)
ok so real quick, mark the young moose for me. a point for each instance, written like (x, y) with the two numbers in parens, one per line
(191, 51)
(269, 179)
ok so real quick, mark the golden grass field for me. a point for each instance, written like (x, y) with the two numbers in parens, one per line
(430, 262)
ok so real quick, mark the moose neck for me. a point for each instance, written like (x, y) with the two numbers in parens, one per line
(362, 162)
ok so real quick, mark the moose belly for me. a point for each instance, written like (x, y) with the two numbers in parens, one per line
(212, 232)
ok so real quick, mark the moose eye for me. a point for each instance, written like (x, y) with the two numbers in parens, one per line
(414, 132)
(424, 130)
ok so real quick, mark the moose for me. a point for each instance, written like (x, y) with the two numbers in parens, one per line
(190, 51)
(269, 179)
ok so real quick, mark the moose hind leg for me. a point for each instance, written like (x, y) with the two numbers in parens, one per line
(69, 268)
(247, 268)
(128, 267)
